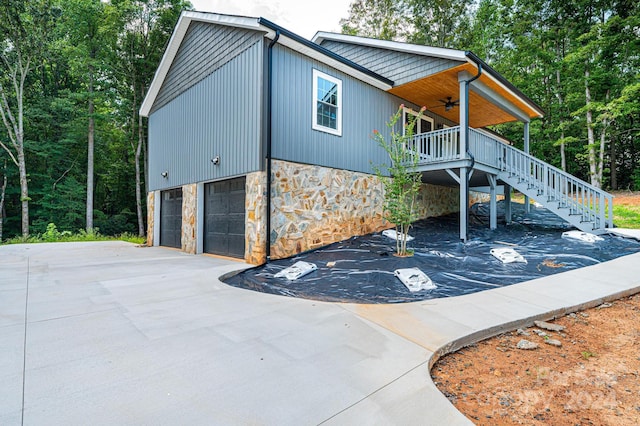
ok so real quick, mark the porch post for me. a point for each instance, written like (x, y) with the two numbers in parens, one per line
(527, 202)
(507, 203)
(493, 205)
(464, 172)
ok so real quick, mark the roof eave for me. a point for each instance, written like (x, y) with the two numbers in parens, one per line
(335, 58)
(416, 49)
(506, 84)
(288, 39)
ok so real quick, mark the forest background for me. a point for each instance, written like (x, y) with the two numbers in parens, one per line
(73, 74)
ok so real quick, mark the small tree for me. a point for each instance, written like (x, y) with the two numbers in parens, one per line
(401, 181)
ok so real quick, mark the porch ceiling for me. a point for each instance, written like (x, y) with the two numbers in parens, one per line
(428, 92)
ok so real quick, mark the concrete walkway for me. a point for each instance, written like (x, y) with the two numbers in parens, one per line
(111, 333)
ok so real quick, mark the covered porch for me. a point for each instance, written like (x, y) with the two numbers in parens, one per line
(472, 157)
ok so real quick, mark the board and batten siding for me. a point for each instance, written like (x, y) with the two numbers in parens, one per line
(220, 115)
(364, 108)
(204, 49)
(400, 67)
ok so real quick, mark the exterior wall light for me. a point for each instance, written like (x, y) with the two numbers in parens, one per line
(216, 160)
(165, 174)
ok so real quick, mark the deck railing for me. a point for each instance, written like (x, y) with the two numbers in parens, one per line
(525, 172)
(579, 197)
(438, 146)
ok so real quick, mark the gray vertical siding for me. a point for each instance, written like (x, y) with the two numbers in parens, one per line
(398, 66)
(205, 48)
(365, 108)
(221, 115)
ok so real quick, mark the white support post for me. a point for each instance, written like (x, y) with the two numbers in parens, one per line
(493, 205)
(527, 202)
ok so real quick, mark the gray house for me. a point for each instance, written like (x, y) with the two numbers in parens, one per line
(260, 140)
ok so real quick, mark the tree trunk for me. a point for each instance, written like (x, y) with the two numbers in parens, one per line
(24, 192)
(2, 193)
(603, 138)
(90, 149)
(593, 174)
(563, 156)
(141, 232)
(614, 167)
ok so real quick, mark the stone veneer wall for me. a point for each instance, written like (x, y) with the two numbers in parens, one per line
(255, 218)
(313, 206)
(151, 197)
(436, 200)
(189, 217)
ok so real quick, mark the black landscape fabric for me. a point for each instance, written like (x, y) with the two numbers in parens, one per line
(360, 270)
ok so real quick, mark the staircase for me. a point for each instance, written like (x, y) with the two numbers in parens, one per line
(586, 207)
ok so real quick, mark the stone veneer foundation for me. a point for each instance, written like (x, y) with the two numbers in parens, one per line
(255, 218)
(313, 206)
(151, 205)
(189, 218)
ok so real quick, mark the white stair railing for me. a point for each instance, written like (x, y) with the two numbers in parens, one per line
(533, 176)
(584, 203)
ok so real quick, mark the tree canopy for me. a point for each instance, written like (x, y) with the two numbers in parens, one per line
(72, 78)
(579, 60)
(73, 74)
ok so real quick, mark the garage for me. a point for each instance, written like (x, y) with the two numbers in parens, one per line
(224, 211)
(171, 218)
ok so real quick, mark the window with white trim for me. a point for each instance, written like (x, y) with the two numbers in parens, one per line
(424, 125)
(327, 103)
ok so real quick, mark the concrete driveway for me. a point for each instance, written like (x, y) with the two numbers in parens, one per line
(111, 333)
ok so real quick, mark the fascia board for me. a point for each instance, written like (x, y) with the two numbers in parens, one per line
(176, 40)
(318, 56)
(438, 52)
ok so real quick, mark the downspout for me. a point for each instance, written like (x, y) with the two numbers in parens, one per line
(269, 97)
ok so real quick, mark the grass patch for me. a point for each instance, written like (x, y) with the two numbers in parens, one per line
(626, 216)
(52, 235)
(626, 210)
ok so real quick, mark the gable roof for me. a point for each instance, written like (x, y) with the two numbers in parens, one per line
(287, 38)
(461, 56)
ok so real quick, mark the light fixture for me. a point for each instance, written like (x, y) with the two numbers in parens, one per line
(216, 160)
(165, 174)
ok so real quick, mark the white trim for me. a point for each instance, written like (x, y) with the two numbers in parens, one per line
(314, 106)
(438, 52)
(424, 117)
(239, 22)
(176, 40)
(340, 66)
(417, 49)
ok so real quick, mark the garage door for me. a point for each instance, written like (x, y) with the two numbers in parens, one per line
(224, 217)
(171, 218)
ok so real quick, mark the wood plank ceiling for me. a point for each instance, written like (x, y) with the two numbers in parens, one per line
(430, 91)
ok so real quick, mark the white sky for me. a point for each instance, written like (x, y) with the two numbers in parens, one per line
(303, 17)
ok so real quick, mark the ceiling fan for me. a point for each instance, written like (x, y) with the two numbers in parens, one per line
(448, 104)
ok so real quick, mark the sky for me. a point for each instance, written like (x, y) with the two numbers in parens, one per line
(303, 17)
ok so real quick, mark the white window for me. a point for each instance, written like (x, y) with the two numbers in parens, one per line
(424, 125)
(327, 103)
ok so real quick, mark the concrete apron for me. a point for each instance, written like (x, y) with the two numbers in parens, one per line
(119, 334)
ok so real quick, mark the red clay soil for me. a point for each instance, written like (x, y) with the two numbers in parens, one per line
(591, 379)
